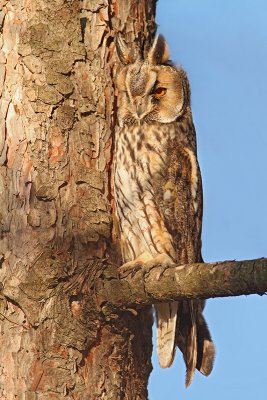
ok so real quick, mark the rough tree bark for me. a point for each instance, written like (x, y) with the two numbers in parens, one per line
(70, 327)
(57, 118)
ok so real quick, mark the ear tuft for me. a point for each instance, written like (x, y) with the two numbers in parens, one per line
(159, 52)
(127, 55)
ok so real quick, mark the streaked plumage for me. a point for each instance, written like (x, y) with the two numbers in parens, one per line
(158, 192)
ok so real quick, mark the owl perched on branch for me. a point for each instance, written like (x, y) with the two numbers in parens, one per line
(158, 192)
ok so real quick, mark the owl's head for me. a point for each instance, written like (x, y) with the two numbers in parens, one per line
(150, 89)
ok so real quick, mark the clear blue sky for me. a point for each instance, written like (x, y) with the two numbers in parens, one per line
(222, 44)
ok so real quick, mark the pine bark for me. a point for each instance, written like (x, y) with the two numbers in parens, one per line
(58, 109)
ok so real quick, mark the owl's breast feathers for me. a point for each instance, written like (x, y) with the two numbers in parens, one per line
(158, 189)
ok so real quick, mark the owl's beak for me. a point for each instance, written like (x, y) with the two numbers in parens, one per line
(139, 106)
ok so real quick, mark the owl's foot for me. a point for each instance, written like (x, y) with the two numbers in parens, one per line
(146, 262)
(161, 260)
(132, 267)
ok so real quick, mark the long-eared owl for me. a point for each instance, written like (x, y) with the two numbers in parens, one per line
(158, 191)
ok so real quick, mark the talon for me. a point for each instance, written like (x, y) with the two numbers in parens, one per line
(135, 270)
(131, 267)
(162, 272)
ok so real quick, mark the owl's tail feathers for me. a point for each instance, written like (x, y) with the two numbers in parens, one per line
(205, 345)
(194, 340)
(190, 354)
(166, 314)
(182, 324)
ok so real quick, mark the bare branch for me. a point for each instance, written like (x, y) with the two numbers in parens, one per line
(157, 283)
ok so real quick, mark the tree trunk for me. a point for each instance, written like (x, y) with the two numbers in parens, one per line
(57, 107)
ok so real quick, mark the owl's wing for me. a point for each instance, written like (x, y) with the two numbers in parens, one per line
(179, 196)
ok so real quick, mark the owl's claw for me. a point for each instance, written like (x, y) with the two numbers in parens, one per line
(131, 267)
(162, 260)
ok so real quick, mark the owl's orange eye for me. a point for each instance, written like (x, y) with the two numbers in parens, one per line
(159, 92)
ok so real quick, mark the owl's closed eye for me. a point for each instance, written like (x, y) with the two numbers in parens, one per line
(151, 89)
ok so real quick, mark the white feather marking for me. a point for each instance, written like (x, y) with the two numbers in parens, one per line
(125, 187)
(194, 176)
(167, 195)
